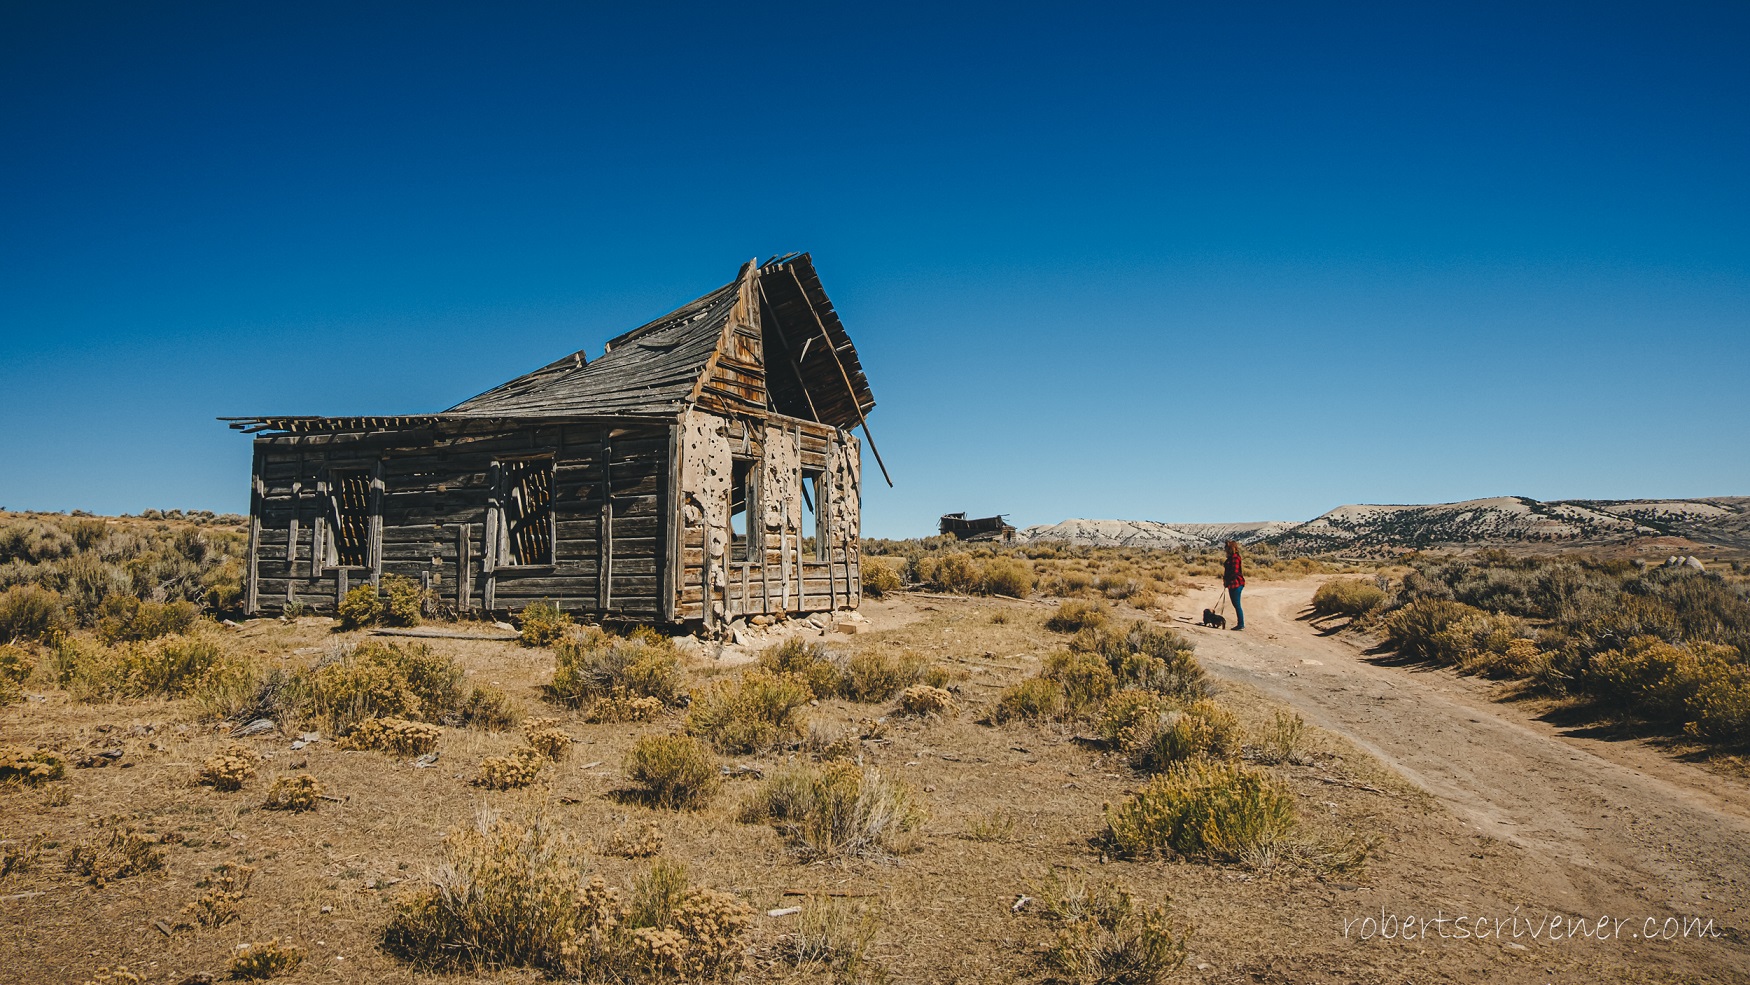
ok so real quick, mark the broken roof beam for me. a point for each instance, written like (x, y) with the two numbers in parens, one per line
(856, 404)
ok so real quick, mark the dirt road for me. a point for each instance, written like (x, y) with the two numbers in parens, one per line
(1610, 827)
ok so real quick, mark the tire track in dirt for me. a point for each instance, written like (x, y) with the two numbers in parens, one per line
(1635, 833)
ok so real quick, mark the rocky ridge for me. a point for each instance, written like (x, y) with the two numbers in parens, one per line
(1500, 521)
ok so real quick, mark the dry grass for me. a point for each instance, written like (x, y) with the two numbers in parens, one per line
(1006, 804)
(223, 892)
(751, 713)
(1203, 730)
(511, 893)
(841, 810)
(836, 937)
(1283, 740)
(266, 959)
(592, 666)
(1105, 937)
(1073, 616)
(675, 771)
(20, 855)
(998, 825)
(1204, 811)
(121, 852)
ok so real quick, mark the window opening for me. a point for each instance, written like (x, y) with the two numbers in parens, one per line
(741, 498)
(526, 512)
(812, 527)
(349, 519)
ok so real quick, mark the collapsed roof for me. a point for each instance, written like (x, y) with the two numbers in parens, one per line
(811, 370)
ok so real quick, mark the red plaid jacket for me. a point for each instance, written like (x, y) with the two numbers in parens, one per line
(1230, 573)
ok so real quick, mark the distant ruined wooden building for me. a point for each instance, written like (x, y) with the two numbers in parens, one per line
(703, 468)
(984, 528)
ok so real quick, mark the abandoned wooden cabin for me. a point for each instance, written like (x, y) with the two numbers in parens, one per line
(984, 528)
(703, 468)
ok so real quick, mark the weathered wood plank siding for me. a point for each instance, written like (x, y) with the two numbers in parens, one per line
(430, 520)
(779, 574)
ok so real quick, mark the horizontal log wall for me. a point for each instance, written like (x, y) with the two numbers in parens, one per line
(435, 494)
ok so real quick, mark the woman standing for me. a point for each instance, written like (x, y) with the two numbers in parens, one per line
(1233, 580)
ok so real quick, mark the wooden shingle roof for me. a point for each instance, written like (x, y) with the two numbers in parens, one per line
(650, 370)
(811, 367)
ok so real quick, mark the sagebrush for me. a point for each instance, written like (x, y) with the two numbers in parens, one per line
(838, 810)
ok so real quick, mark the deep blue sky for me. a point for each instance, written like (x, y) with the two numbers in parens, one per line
(1193, 262)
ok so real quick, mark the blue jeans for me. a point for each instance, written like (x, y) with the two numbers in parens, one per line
(1239, 613)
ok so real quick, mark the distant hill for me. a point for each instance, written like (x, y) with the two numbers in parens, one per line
(1501, 521)
(1152, 533)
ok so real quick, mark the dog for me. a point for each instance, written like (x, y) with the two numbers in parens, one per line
(1214, 620)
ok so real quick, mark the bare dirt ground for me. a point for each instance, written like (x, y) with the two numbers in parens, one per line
(1478, 809)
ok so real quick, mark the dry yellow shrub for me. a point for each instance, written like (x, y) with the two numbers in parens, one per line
(230, 769)
(508, 894)
(294, 793)
(546, 737)
(518, 769)
(624, 707)
(627, 841)
(396, 735)
(674, 770)
(838, 810)
(1129, 718)
(703, 941)
(924, 700)
(30, 766)
(267, 959)
(224, 891)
